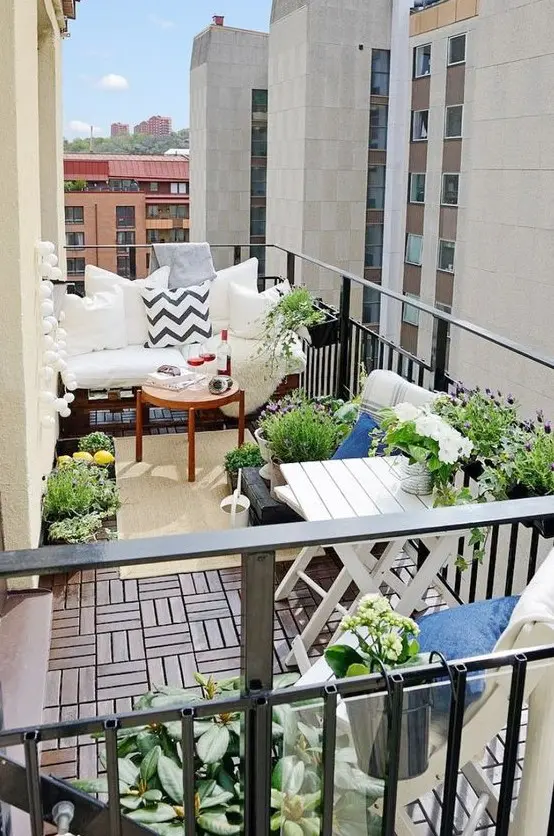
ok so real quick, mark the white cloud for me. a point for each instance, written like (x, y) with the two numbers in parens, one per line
(77, 127)
(161, 22)
(113, 82)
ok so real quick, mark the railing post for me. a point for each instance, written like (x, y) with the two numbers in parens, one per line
(344, 339)
(440, 382)
(291, 263)
(236, 254)
(257, 590)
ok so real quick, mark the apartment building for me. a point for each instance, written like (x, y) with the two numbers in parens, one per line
(155, 126)
(123, 200)
(119, 129)
(228, 139)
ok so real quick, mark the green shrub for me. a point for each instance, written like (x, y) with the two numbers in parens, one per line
(77, 489)
(247, 455)
(94, 442)
(76, 529)
(305, 434)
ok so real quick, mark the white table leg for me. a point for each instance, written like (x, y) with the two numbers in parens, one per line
(291, 578)
(415, 591)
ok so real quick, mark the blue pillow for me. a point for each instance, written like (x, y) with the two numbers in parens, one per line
(461, 633)
(356, 444)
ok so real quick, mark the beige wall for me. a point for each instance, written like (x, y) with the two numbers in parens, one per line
(31, 207)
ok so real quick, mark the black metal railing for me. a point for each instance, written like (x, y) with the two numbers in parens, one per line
(24, 786)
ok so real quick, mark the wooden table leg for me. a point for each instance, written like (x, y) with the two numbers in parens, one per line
(192, 449)
(241, 417)
(138, 427)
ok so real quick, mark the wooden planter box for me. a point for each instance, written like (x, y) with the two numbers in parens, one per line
(68, 446)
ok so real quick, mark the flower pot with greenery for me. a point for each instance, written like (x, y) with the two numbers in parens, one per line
(99, 445)
(387, 640)
(247, 455)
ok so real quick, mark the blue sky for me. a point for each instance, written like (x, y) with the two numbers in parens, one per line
(129, 59)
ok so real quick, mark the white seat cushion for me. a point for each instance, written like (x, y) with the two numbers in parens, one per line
(248, 309)
(94, 323)
(128, 366)
(245, 275)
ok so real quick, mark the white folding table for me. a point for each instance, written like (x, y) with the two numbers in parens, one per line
(343, 488)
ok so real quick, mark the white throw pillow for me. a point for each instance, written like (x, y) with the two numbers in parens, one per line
(98, 280)
(248, 309)
(94, 323)
(245, 275)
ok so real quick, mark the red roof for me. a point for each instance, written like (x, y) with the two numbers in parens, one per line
(125, 166)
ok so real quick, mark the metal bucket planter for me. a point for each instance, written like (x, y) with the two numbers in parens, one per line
(417, 479)
(369, 724)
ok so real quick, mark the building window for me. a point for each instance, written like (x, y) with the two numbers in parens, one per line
(417, 188)
(259, 140)
(74, 239)
(162, 212)
(422, 61)
(179, 188)
(124, 238)
(378, 117)
(374, 245)
(420, 125)
(177, 236)
(457, 50)
(258, 181)
(380, 72)
(410, 315)
(154, 186)
(257, 220)
(124, 266)
(124, 186)
(450, 185)
(259, 102)
(376, 187)
(446, 256)
(258, 252)
(414, 246)
(152, 236)
(453, 121)
(75, 266)
(124, 216)
(371, 307)
(74, 215)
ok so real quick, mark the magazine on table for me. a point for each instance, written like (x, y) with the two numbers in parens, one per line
(175, 382)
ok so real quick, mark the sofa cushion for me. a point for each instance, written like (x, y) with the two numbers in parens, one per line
(190, 264)
(356, 444)
(385, 388)
(248, 309)
(245, 275)
(94, 323)
(126, 367)
(177, 317)
(97, 279)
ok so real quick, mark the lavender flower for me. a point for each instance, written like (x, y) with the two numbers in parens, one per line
(510, 399)
(548, 427)
(540, 416)
(528, 446)
(552, 466)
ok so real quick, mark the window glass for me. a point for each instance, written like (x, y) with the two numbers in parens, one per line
(446, 256)
(422, 60)
(450, 185)
(378, 117)
(177, 236)
(259, 101)
(124, 215)
(258, 252)
(417, 188)
(75, 266)
(371, 308)
(259, 140)
(125, 238)
(420, 124)
(75, 239)
(457, 49)
(453, 121)
(258, 181)
(414, 246)
(257, 220)
(153, 186)
(152, 236)
(374, 245)
(74, 215)
(376, 187)
(380, 72)
(409, 313)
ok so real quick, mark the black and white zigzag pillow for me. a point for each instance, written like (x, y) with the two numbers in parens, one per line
(177, 317)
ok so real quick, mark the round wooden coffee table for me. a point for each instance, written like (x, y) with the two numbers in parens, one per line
(192, 401)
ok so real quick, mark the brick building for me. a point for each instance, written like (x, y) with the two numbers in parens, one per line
(155, 126)
(119, 129)
(127, 200)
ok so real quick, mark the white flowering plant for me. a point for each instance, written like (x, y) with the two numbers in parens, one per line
(383, 636)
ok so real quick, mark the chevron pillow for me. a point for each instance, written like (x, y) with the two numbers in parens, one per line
(177, 317)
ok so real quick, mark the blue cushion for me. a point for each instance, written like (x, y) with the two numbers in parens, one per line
(356, 445)
(463, 632)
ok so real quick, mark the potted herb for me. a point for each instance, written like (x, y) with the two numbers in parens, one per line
(384, 639)
(85, 529)
(272, 411)
(486, 418)
(99, 445)
(247, 455)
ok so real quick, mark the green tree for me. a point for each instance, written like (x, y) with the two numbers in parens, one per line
(132, 144)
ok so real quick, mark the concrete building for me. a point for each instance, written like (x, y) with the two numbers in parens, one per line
(119, 129)
(228, 138)
(155, 126)
(135, 199)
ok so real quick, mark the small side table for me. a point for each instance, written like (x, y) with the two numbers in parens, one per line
(191, 401)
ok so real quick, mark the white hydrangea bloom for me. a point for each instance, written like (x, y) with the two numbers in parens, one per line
(406, 411)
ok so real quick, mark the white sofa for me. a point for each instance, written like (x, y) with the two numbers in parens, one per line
(124, 366)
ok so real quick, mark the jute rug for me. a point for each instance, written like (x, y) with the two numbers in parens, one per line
(157, 499)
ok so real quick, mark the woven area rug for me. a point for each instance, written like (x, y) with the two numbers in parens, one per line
(158, 500)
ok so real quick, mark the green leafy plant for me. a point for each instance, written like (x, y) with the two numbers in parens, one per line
(77, 489)
(526, 468)
(83, 529)
(93, 442)
(304, 434)
(383, 636)
(247, 455)
(295, 311)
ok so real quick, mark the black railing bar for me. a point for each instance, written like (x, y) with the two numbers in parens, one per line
(33, 782)
(189, 780)
(111, 727)
(373, 684)
(258, 539)
(329, 734)
(513, 725)
(455, 726)
(402, 351)
(394, 727)
(464, 325)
